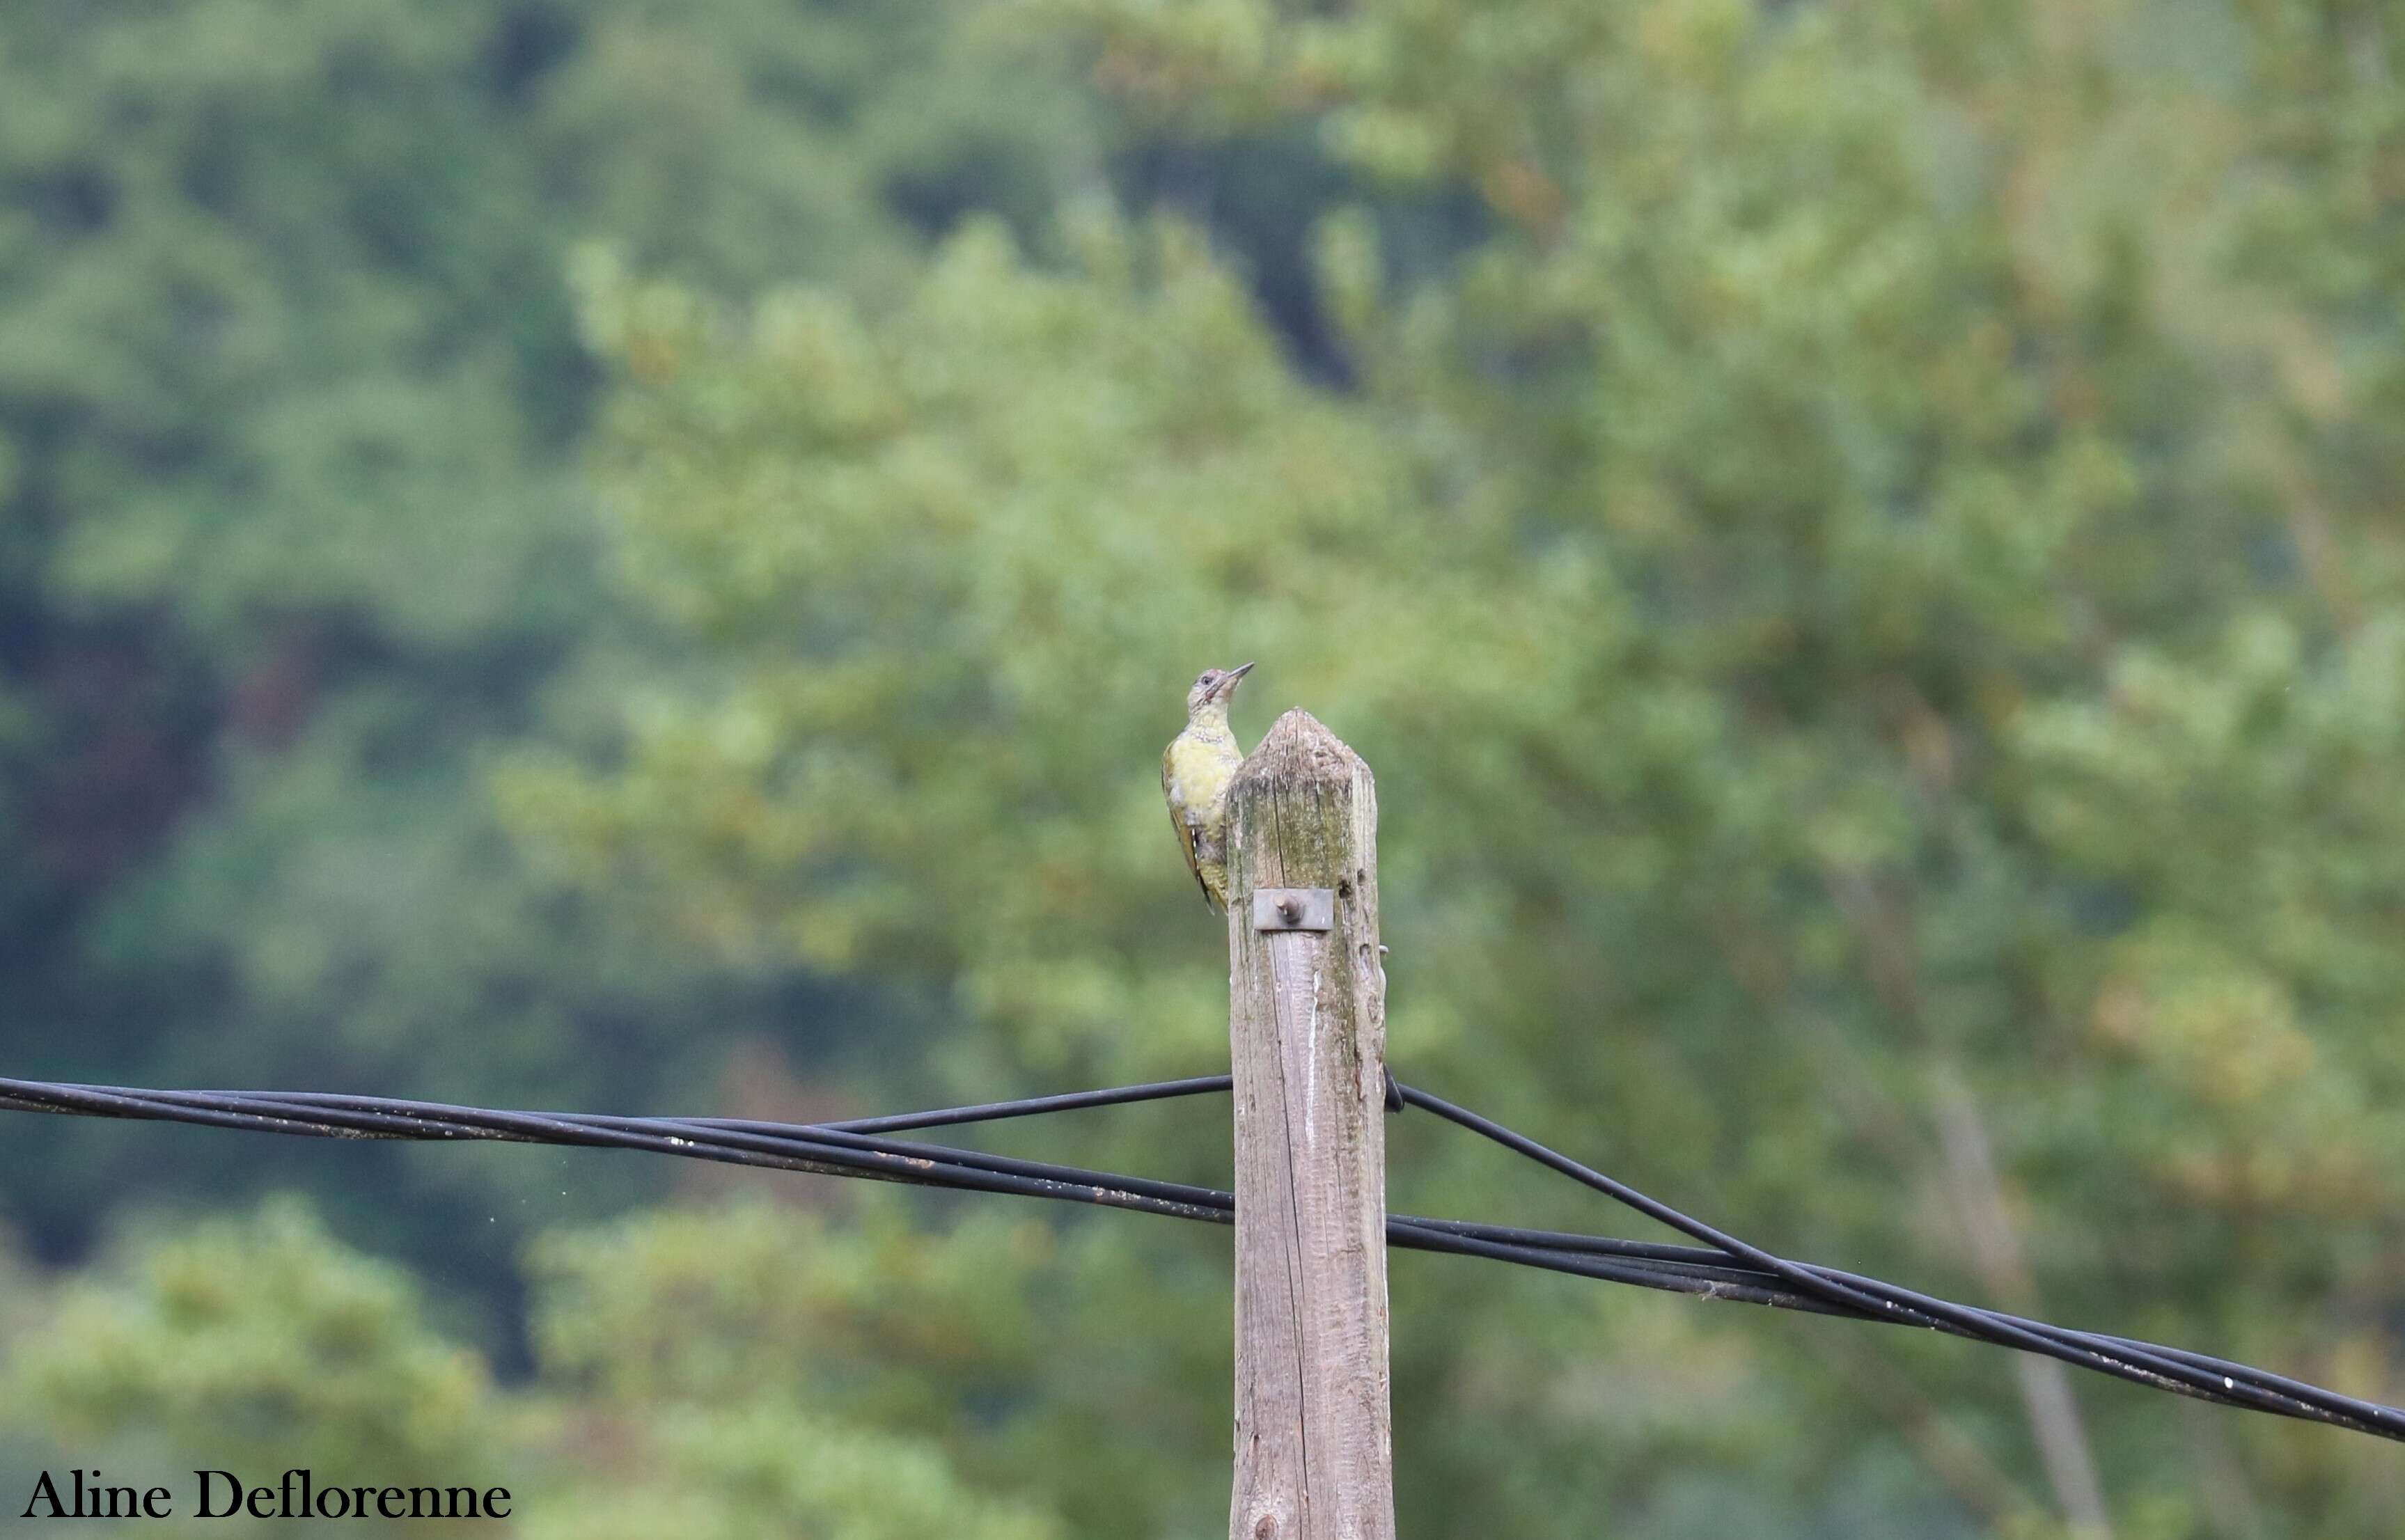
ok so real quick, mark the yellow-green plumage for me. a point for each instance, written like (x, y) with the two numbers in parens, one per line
(1195, 771)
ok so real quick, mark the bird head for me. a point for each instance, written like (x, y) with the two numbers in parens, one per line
(1215, 687)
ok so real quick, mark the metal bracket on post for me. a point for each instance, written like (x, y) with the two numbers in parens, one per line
(1294, 908)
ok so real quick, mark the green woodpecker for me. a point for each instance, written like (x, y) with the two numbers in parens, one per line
(1195, 770)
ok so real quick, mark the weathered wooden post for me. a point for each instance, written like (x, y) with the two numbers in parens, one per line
(1307, 1033)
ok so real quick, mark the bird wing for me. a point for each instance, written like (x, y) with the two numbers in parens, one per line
(1185, 832)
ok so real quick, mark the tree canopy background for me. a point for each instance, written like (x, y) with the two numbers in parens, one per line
(638, 556)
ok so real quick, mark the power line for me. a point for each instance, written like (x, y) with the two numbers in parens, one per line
(2165, 1368)
(1725, 1267)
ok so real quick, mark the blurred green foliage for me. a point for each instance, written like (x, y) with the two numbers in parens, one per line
(1858, 536)
(293, 541)
(262, 1345)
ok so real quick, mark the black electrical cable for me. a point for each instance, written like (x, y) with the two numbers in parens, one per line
(826, 1152)
(1751, 1284)
(1725, 1269)
(822, 1148)
(1068, 1101)
(942, 1117)
(2143, 1363)
(788, 1147)
(793, 1148)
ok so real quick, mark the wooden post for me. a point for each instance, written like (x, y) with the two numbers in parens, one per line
(1307, 1035)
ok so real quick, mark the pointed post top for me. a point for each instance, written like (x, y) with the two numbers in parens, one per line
(1300, 749)
(1302, 812)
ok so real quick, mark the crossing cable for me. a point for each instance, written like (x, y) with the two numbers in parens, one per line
(1724, 1268)
(2165, 1368)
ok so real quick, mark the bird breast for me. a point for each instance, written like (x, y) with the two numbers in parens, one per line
(1200, 770)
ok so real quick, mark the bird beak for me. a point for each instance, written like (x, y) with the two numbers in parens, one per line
(1228, 685)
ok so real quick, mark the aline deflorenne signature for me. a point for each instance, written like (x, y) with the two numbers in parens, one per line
(221, 1494)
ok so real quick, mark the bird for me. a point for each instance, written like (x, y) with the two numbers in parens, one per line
(1195, 771)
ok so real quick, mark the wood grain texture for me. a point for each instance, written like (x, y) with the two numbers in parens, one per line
(1307, 1029)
